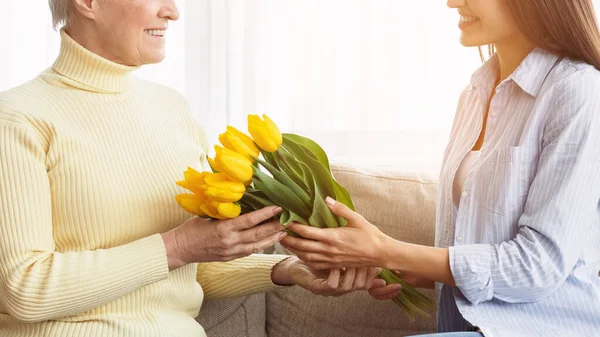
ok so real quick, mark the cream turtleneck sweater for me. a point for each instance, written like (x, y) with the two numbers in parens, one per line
(89, 157)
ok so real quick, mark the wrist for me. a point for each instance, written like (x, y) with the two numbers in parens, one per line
(173, 251)
(394, 257)
(281, 274)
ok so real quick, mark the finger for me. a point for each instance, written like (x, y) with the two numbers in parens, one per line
(255, 247)
(371, 275)
(306, 245)
(260, 232)
(309, 257)
(386, 292)
(342, 210)
(313, 233)
(333, 281)
(360, 280)
(254, 218)
(348, 279)
(318, 266)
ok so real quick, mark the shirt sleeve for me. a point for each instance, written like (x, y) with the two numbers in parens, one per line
(37, 283)
(245, 276)
(560, 212)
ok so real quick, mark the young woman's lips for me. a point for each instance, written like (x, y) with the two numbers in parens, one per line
(467, 21)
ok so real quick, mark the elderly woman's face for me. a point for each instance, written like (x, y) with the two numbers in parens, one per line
(135, 29)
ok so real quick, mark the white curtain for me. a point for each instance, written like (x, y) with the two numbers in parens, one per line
(374, 81)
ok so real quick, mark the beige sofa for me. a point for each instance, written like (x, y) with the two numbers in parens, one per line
(401, 204)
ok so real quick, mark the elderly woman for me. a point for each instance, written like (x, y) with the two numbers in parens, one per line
(92, 242)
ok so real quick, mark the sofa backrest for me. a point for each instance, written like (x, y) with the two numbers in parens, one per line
(402, 205)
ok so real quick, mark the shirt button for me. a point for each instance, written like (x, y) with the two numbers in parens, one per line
(465, 194)
(459, 239)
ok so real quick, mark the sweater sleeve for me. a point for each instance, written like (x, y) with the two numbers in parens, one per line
(38, 283)
(245, 276)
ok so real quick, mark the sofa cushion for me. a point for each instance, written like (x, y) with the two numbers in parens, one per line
(236, 317)
(402, 205)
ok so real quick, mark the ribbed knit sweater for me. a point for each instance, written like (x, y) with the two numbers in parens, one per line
(89, 157)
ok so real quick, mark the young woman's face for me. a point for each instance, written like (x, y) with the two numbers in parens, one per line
(485, 22)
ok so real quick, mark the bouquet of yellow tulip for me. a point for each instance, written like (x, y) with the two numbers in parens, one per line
(299, 179)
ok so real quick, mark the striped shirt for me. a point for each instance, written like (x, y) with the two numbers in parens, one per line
(524, 243)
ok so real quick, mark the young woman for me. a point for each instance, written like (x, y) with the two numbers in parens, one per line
(518, 213)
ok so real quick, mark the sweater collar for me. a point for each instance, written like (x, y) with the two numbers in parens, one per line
(88, 71)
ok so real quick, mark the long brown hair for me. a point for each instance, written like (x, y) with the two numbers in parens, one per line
(567, 28)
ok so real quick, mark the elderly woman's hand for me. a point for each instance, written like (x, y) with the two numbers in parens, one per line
(334, 282)
(202, 240)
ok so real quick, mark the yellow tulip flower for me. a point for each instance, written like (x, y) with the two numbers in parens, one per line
(265, 133)
(217, 186)
(211, 211)
(191, 203)
(229, 210)
(192, 181)
(236, 166)
(237, 141)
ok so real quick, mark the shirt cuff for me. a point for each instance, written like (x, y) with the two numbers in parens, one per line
(471, 268)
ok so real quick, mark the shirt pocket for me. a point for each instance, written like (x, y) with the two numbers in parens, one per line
(506, 175)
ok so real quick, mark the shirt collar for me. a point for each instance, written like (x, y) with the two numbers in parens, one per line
(529, 75)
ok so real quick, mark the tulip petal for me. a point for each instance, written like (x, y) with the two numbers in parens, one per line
(243, 137)
(273, 130)
(211, 211)
(190, 203)
(229, 210)
(234, 165)
(265, 134)
(222, 195)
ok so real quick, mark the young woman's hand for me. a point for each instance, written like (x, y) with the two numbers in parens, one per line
(357, 245)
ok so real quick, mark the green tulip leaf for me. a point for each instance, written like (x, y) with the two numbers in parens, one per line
(255, 201)
(284, 156)
(287, 181)
(321, 175)
(321, 216)
(312, 146)
(309, 180)
(285, 217)
(270, 158)
(290, 166)
(256, 192)
(293, 217)
(280, 194)
(341, 194)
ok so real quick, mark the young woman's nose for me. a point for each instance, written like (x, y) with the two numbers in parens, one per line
(456, 3)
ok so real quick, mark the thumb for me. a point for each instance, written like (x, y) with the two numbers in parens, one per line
(342, 210)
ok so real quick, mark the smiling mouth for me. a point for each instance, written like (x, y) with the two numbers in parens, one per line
(156, 32)
(467, 19)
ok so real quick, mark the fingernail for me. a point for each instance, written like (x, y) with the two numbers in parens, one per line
(277, 210)
(398, 287)
(329, 201)
(381, 283)
(282, 235)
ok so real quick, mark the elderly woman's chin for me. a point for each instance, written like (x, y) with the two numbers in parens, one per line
(154, 57)
(149, 55)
